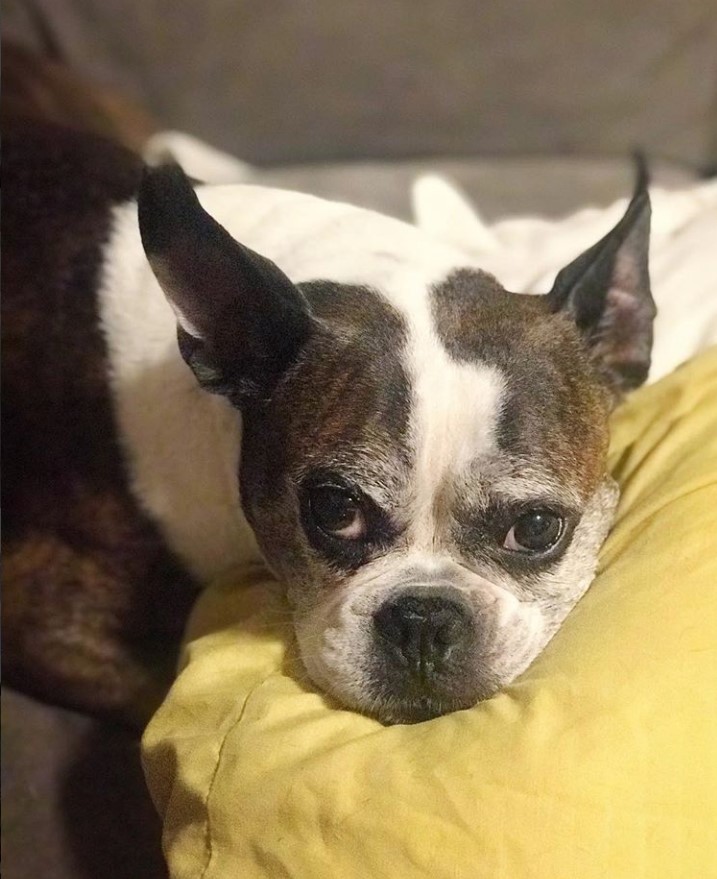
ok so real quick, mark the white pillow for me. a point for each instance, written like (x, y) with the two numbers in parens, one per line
(525, 254)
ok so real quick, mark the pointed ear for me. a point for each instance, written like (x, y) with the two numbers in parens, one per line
(606, 291)
(241, 320)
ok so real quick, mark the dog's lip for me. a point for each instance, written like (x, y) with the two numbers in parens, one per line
(420, 710)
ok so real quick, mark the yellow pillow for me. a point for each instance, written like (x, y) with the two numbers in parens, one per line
(600, 761)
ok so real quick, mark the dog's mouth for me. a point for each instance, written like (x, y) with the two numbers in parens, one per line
(392, 710)
(423, 656)
(408, 699)
(416, 712)
(424, 652)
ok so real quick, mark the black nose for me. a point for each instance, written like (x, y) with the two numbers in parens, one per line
(422, 632)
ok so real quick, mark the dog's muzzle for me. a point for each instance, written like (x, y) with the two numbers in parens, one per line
(424, 649)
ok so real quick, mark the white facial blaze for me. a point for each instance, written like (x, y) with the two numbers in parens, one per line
(456, 408)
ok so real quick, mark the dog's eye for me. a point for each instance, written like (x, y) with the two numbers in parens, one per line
(337, 513)
(534, 531)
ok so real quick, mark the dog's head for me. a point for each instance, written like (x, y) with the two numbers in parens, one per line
(430, 484)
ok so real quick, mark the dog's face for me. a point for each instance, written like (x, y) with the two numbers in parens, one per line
(431, 486)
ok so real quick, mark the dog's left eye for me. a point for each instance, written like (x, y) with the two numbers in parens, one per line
(337, 513)
(534, 531)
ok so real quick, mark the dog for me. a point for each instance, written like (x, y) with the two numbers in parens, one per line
(198, 377)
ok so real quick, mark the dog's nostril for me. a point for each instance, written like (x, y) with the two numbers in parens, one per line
(421, 631)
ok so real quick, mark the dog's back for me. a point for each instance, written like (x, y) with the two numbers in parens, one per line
(85, 571)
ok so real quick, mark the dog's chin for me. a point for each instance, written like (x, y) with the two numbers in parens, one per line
(415, 711)
(392, 709)
(404, 705)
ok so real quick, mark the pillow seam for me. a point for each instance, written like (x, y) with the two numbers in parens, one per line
(208, 844)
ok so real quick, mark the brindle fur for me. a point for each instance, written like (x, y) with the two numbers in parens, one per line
(93, 603)
(553, 412)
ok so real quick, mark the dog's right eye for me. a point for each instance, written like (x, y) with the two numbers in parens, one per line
(336, 512)
(534, 531)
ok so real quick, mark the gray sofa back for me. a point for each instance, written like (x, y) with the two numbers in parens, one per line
(278, 81)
